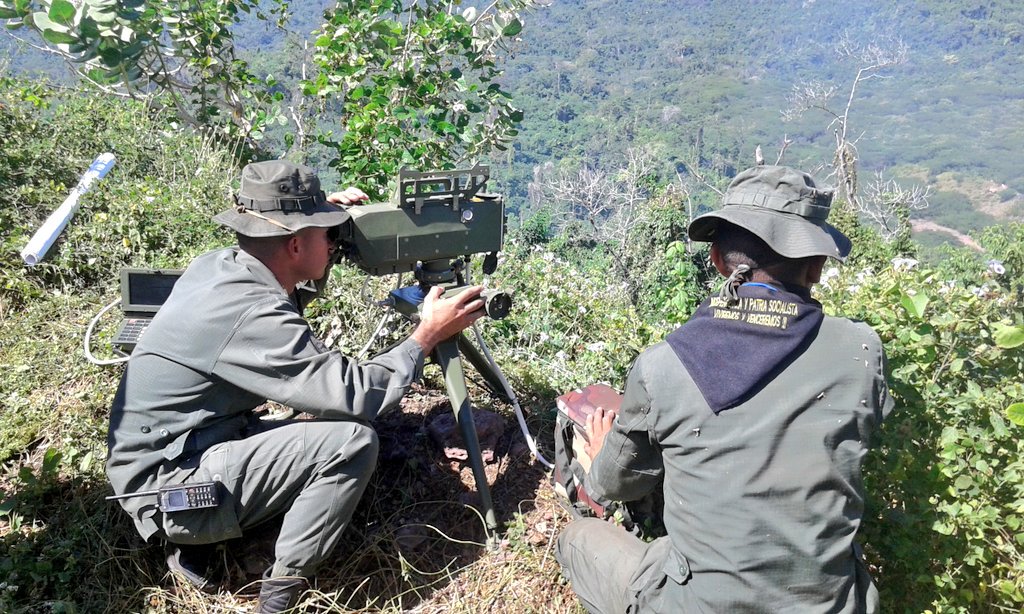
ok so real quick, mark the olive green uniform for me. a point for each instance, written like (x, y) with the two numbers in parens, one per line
(762, 501)
(228, 339)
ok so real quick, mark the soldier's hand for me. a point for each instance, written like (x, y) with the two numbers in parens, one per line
(348, 196)
(442, 318)
(598, 425)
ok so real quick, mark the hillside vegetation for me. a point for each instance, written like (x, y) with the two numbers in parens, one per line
(704, 83)
(707, 82)
(603, 184)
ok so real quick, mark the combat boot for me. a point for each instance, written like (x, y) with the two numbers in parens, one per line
(193, 564)
(280, 594)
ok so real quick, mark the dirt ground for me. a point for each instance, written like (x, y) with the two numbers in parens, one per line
(417, 542)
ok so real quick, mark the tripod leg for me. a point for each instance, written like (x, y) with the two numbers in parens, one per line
(479, 362)
(447, 356)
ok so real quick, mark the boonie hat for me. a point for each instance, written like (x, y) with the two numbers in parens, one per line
(781, 206)
(278, 198)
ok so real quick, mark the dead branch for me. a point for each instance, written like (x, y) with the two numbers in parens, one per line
(888, 205)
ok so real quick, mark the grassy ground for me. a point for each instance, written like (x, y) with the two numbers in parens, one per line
(415, 545)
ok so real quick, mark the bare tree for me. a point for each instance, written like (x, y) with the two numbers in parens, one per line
(610, 203)
(873, 59)
(888, 205)
(685, 190)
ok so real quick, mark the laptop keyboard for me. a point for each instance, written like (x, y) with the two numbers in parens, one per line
(130, 331)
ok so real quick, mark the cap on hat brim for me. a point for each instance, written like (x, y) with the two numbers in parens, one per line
(325, 215)
(788, 234)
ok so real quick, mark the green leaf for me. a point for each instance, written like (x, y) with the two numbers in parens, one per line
(963, 482)
(111, 57)
(86, 462)
(1015, 413)
(62, 12)
(943, 528)
(915, 305)
(973, 390)
(90, 31)
(513, 28)
(39, 20)
(50, 31)
(51, 459)
(8, 13)
(98, 75)
(102, 15)
(59, 38)
(1007, 337)
(998, 425)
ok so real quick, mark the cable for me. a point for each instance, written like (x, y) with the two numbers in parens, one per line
(384, 319)
(530, 441)
(87, 341)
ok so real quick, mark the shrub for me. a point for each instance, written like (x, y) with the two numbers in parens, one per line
(945, 482)
(567, 328)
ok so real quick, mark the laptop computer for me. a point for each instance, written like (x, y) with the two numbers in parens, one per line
(143, 291)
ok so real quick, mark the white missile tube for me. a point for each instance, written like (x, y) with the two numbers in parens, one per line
(43, 239)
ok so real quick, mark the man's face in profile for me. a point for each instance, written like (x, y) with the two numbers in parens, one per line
(317, 248)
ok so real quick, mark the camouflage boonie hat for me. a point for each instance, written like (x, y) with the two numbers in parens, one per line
(781, 206)
(278, 198)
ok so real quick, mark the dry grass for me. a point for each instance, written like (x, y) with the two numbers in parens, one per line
(416, 543)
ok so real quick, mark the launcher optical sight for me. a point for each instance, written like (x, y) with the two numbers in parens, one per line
(439, 220)
(438, 216)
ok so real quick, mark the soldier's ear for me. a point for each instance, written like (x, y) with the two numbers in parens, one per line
(718, 261)
(293, 247)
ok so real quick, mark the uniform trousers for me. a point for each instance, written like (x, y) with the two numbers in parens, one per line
(312, 471)
(610, 570)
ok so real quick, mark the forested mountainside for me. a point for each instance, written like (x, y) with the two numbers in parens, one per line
(704, 82)
(709, 81)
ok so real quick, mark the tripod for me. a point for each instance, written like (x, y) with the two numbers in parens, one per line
(448, 355)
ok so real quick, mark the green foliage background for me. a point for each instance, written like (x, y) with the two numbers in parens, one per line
(943, 532)
(946, 478)
(704, 82)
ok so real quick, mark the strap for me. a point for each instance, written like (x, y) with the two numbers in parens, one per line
(813, 206)
(286, 205)
(242, 209)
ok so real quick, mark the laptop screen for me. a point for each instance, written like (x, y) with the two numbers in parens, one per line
(145, 290)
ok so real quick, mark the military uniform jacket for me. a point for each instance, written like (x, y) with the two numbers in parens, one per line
(228, 339)
(762, 500)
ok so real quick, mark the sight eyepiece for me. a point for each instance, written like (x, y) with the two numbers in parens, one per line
(497, 303)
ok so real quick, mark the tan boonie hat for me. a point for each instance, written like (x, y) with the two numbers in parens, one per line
(781, 206)
(278, 198)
